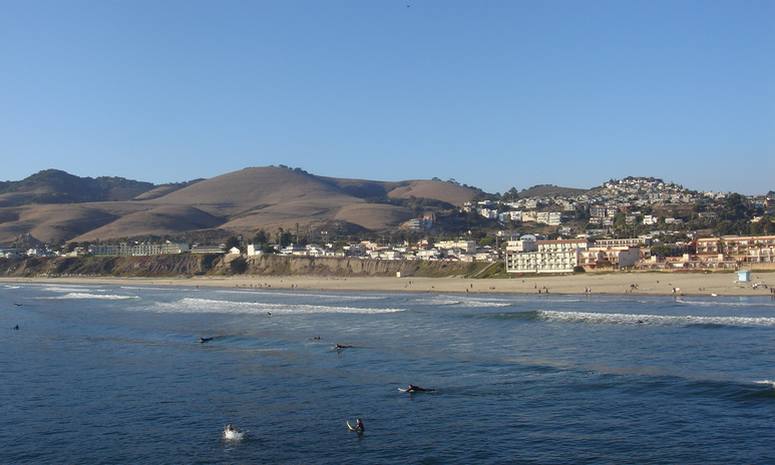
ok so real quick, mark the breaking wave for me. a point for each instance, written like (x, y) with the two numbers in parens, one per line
(8, 286)
(658, 320)
(194, 305)
(68, 289)
(86, 295)
(721, 303)
(766, 382)
(302, 293)
(463, 302)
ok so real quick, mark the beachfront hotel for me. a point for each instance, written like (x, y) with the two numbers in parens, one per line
(564, 256)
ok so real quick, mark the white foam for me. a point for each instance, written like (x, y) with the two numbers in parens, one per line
(305, 294)
(69, 289)
(233, 435)
(463, 302)
(142, 288)
(85, 295)
(663, 320)
(718, 303)
(767, 382)
(8, 286)
(194, 305)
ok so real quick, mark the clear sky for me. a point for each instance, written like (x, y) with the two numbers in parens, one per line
(491, 93)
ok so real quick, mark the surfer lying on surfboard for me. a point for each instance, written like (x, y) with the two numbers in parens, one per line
(342, 346)
(412, 389)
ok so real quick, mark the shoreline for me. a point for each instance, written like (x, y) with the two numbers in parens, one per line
(688, 284)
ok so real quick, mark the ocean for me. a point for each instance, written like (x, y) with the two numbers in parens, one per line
(116, 374)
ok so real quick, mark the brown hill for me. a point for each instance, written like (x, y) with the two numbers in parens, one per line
(159, 221)
(550, 190)
(56, 186)
(448, 192)
(242, 201)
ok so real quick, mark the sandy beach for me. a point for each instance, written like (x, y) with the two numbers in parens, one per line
(722, 284)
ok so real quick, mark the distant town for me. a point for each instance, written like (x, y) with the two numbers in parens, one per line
(630, 224)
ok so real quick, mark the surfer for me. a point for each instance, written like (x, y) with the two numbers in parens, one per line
(203, 340)
(342, 346)
(16, 328)
(412, 389)
(358, 428)
(18, 305)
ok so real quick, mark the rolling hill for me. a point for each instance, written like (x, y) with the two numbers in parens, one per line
(54, 206)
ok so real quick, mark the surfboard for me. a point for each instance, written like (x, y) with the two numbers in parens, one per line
(402, 389)
(350, 427)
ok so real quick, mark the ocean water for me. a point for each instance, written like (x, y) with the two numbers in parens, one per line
(109, 374)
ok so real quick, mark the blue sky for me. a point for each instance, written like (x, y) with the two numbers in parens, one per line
(494, 93)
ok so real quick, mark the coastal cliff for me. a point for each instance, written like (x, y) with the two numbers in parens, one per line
(216, 265)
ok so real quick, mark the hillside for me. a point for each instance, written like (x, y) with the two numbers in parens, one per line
(55, 206)
(55, 186)
(550, 190)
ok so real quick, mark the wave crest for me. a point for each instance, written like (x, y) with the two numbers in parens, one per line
(660, 320)
(86, 295)
(196, 305)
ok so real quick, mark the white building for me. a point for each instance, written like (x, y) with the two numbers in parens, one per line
(465, 246)
(557, 256)
(430, 254)
(253, 251)
(489, 213)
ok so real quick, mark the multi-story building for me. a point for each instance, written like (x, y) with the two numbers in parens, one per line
(208, 249)
(748, 249)
(617, 257)
(465, 246)
(550, 218)
(624, 242)
(549, 256)
(145, 249)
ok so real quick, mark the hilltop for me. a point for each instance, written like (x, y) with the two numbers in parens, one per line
(550, 190)
(56, 186)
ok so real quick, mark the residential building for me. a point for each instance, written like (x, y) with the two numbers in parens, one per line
(625, 242)
(208, 249)
(464, 245)
(747, 249)
(145, 249)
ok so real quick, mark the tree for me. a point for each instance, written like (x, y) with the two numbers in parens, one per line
(260, 238)
(232, 241)
(285, 239)
(510, 195)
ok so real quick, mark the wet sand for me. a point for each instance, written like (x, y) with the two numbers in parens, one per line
(722, 284)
